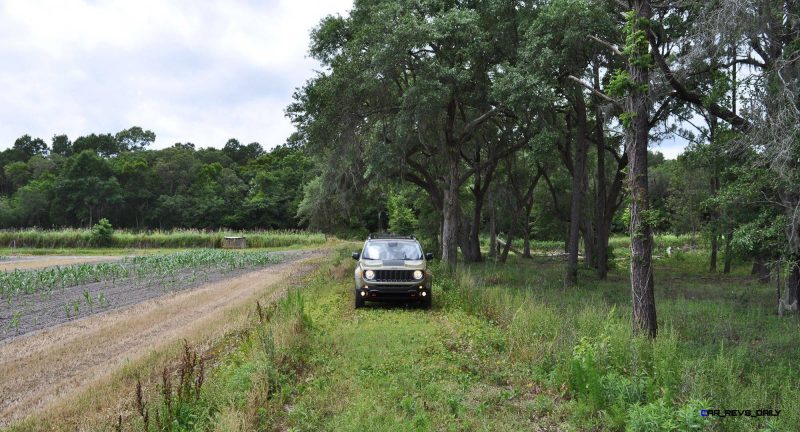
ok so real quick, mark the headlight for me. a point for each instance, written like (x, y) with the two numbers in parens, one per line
(369, 274)
(418, 274)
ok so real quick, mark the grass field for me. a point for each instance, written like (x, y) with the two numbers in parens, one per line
(504, 348)
(83, 238)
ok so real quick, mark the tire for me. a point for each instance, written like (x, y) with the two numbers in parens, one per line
(359, 302)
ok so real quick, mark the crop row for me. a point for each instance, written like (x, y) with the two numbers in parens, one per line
(150, 267)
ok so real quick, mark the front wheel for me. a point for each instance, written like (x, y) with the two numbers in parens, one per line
(359, 303)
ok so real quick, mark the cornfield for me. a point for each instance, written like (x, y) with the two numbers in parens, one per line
(148, 269)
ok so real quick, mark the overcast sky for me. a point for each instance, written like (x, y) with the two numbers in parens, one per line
(190, 71)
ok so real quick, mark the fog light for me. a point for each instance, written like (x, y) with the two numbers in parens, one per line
(424, 294)
(363, 293)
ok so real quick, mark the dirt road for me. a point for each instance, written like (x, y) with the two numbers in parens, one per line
(47, 366)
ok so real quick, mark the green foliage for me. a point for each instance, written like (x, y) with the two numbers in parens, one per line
(637, 47)
(102, 233)
(620, 84)
(401, 217)
(118, 178)
(82, 238)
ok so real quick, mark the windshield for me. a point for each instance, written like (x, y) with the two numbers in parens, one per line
(392, 250)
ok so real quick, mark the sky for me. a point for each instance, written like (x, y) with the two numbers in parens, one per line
(190, 71)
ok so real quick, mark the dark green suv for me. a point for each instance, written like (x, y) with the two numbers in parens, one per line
(392, 268)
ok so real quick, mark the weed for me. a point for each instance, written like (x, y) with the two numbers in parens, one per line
(88, 297)
(15, 321)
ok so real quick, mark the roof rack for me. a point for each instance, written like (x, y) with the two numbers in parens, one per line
(374, 236)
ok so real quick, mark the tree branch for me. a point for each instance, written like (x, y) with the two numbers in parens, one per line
(742, 124)
(596, 92)
(608, 45)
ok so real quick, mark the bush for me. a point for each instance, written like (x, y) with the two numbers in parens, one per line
(401, 219)
(102, 233)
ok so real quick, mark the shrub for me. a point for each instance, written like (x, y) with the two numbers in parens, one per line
(102, 233)
(401, 219)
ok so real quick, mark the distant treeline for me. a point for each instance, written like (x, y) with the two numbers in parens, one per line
(74, 184)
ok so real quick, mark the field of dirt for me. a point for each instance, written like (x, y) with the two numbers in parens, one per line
(35, 261)
(48, 365)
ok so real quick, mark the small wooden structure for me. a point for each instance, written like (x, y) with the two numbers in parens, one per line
(234, 243)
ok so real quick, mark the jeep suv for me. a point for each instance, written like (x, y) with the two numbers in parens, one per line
(392, 268)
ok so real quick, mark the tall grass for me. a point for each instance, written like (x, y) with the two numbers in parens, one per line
(82, 238)
(720, 346)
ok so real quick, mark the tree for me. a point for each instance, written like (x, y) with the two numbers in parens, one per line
(27, 147)
(134, 139)
(242, 153)
(412, 82)
(62, 145)
(104, 144)
(720, 38)
(86, 189)
(272, 200)
(636, 119)
(401, 217)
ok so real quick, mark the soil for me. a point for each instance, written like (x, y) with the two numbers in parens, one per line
(51, 359)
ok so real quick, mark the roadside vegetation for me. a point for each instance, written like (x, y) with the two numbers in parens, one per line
(188, 238)
(505, 347)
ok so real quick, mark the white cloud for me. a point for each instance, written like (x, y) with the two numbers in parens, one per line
(190, 71)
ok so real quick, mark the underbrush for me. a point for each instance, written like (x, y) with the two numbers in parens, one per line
(724, 350)
(85, 238)
(241, 389)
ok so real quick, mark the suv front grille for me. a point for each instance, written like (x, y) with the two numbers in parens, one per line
(394, 275)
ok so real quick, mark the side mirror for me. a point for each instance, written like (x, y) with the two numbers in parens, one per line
(429, 256)
(356, 255)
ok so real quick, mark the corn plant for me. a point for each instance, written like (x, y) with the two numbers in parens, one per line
(169, 270)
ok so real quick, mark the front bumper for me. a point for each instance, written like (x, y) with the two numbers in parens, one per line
(394, 292)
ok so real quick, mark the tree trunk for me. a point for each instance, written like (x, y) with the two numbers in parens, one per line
(473, 254)
(728, 252)
(526, 234)
(637, 136)
(588, 242)
(578, 174)
(793, 284)
(761, 270)
(507, 247)
(602, 231)
(450, 211)
(714, 247)
(715, 213)
(492, 229)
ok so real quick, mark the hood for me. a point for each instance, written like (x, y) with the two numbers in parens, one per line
(395, 264)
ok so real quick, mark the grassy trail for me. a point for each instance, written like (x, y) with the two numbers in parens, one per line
(391, 367)
(384, 367)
